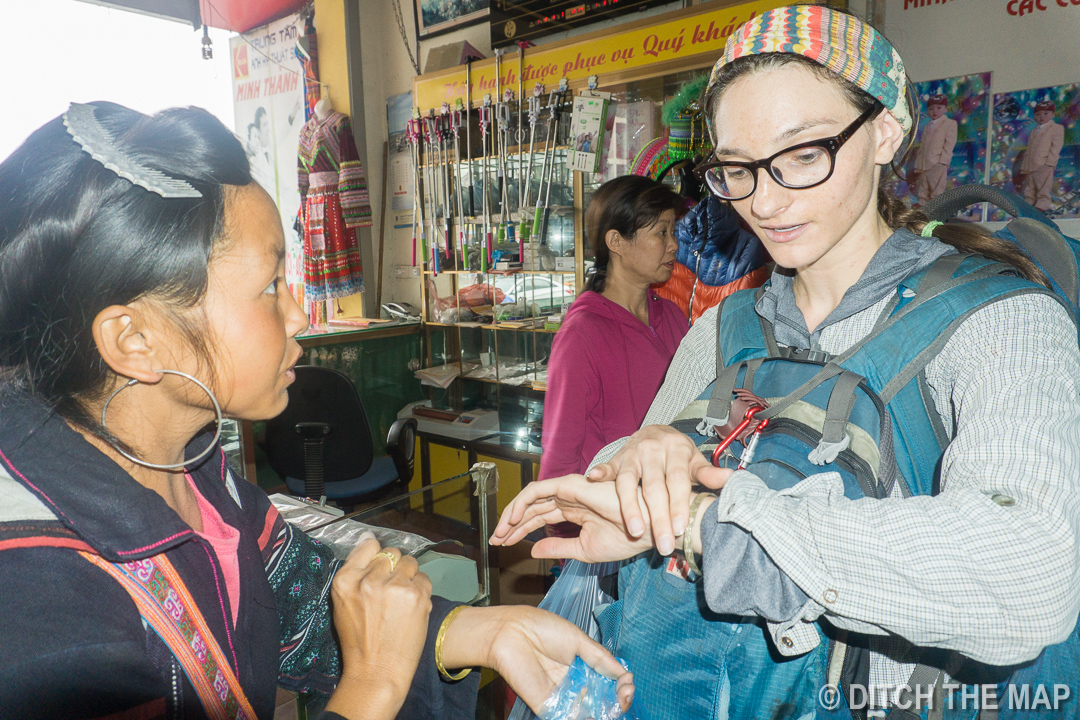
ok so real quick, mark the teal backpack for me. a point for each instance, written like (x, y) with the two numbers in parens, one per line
(868, 415)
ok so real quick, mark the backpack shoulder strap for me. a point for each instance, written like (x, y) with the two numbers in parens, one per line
(741, 333)
(1056, 254)
(894, 358)
(1040, 237)
(919, 328)
(742, 337)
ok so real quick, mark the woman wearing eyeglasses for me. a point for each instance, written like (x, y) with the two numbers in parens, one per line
(809, 109)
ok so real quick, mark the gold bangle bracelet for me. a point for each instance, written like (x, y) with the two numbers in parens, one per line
(439, 643)
(688, 535)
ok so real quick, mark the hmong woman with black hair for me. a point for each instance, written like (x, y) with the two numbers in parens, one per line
(904, 508)
(142, 297)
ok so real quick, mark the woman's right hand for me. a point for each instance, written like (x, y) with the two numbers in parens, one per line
(531, 648)
(381, 614)
(665, 463)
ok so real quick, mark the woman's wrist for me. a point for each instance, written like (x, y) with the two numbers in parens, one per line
(697, 519)
(468, 639)
(367, 695)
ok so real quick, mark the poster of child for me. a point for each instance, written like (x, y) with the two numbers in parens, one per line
(1035, 148)
(950, 142)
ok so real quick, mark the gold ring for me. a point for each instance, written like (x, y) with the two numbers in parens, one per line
(389, 556)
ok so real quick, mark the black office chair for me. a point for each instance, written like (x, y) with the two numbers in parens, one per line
(322, 443)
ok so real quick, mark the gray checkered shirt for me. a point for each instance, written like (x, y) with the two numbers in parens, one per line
(990, 567)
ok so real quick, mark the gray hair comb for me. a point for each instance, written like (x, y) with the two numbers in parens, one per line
(84, 127)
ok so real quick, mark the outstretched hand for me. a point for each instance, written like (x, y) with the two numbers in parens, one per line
(593, 506)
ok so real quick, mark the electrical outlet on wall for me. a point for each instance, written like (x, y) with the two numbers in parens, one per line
(406, 271)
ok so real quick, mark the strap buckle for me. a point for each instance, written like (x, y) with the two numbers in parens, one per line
(707, 426)
(793, 353)
(826, 452)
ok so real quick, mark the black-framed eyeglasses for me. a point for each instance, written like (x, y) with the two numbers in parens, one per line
(798, 167)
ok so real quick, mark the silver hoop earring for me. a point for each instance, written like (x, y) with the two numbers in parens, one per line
(194, 460)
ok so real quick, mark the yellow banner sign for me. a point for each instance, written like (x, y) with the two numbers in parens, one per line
(682, 37)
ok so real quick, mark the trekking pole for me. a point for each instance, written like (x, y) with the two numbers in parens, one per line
(501, 117)
(543, 212)
(520, 136)
(534, 114)
(412, 132)
(506, 224)
(429, 177)
(455, 128)
(544, 164)
(494, 162)
(444, 137)
(468, 133)
(485, 121)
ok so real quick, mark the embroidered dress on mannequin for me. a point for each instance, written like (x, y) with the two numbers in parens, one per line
(334, 202)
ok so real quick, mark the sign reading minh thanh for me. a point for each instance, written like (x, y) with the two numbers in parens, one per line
(674, 36)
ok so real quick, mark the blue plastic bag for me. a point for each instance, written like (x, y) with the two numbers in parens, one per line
(576, 593)
(585, 694)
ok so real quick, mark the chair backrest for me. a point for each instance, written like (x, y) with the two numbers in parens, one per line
(321, 395)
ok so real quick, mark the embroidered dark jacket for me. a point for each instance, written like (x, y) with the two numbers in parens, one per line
(72, 643)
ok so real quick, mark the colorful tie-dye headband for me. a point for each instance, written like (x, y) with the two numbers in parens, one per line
(844, 44)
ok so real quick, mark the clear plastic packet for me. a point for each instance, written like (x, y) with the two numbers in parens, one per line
(574, 596)
(585, 694)
(342, 536)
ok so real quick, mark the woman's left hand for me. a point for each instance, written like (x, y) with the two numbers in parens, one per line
(530, 648)
(593, 506)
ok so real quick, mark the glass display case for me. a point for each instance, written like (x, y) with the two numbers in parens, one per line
(494, 316)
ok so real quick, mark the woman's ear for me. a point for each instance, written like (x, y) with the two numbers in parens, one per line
(125, 340)
(614, 241)
(890, 136)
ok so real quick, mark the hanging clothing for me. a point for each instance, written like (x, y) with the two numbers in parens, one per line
(717, 257)
(310, 65)
(333, 203)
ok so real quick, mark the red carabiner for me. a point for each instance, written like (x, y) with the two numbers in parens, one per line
(747, 419)
(747, 455)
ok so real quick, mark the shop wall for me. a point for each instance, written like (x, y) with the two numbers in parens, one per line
(333, 55)
(961, 37)
(387, 72)
(946, 38)
(937, 38)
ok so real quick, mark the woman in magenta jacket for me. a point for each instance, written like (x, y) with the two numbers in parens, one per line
(610, 356)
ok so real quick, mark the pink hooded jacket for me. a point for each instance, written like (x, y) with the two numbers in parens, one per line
(605, 369)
